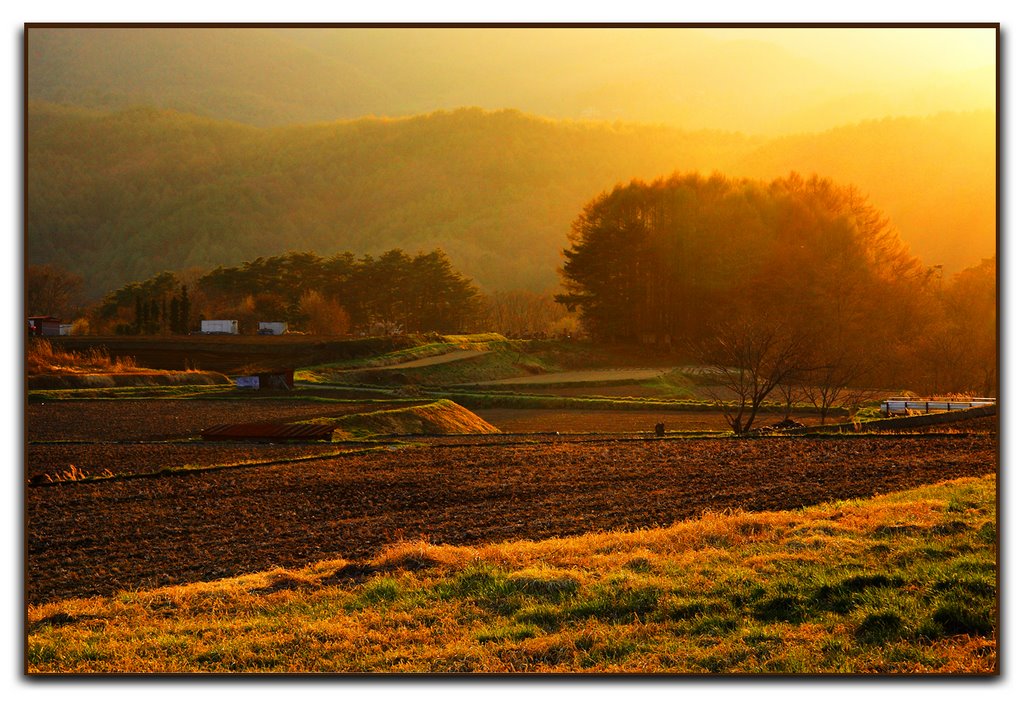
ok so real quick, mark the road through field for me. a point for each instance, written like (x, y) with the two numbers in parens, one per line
(612, 375)
(435, 359)
(85, 539)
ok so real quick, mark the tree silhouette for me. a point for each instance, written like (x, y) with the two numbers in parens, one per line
(750, 354)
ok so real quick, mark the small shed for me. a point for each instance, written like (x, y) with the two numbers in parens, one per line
(277, 379)
(272, 328)
(44, 326)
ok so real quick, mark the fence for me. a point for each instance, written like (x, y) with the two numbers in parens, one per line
(906, 405)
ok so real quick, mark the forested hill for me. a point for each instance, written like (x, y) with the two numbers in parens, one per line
(120, 196)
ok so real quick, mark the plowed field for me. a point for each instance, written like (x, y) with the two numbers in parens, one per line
(156, 419)
(98, 538)
(622, 421)
(98, 459)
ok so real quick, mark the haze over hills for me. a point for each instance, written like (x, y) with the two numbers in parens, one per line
(687, 78)
(120, 196)
(164, 148)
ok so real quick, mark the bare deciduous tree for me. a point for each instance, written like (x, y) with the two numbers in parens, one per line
(751, 354)
(830, 378)
(51, 290)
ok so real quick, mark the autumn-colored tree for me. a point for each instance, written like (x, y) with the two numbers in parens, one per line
(323, 317)
(51, 291)
(658, 262)
(523, 313)
(958, 349)
(393, 292)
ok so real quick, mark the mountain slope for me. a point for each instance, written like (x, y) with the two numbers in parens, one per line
(120, 196)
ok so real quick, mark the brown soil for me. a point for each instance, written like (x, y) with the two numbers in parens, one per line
(85, 539)
(234, 354)
(155, 419)
(610, 420)
(146, 458)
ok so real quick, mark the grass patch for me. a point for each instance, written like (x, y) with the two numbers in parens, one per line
(377, 370)
(42, 358)
(619, 600)
(725, 594)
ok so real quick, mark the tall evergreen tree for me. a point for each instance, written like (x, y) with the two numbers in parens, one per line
(175, 315)
(185, 310)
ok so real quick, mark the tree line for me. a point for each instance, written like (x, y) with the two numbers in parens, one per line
(391, 293)
(334, 295)
(792, 277)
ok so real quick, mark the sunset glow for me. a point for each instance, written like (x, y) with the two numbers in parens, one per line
(511, 350)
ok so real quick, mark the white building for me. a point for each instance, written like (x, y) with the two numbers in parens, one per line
(219, 326)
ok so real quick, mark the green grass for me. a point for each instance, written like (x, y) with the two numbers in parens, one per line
(676, 385)
(504, 359)
(900, 583)
(424, 347)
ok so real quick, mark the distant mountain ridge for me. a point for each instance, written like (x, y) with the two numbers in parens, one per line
(119, 196)
(265, 76)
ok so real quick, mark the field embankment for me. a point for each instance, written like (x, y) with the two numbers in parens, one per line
(50, 366)
(902, 583)
(439, 418)
(126, 379)
(236, 354)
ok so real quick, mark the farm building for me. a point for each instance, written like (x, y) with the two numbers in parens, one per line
(218, 326)
(47, 326)
(272, 328)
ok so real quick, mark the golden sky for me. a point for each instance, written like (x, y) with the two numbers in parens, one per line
(878, 51)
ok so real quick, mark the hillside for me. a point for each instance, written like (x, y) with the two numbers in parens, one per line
(121, 196)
